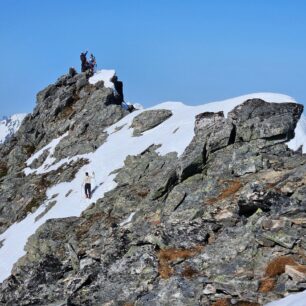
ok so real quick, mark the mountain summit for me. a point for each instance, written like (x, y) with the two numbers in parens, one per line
(190, 205)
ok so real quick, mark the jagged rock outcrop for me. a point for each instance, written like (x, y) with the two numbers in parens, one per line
(224, 224)
(69, 105)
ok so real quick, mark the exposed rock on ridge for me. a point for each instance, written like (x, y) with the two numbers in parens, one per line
(224, 224)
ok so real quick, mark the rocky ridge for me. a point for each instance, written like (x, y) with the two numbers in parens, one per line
(222, 224)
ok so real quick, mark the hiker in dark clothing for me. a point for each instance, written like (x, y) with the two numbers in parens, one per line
(119, 98)
(119, 90)
(84, 62)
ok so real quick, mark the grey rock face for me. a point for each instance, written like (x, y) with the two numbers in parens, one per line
(262, 120)
(149, 119)
(212, 132)
(216, 226)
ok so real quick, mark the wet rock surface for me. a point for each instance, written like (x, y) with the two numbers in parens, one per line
(223, 224)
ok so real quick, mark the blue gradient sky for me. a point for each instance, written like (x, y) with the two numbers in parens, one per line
(191, 51)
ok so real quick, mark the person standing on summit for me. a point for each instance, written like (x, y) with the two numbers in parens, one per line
(87, 184)
(84, 63)
(92, 64)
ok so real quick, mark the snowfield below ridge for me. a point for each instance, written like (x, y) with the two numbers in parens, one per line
(182, 121)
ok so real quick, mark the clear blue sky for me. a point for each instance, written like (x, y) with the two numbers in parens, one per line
(193, 51)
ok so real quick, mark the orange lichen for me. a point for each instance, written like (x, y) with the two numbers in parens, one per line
(277, 265)
(85, 226)
(66, 112)
(233, 187)
(189, 272)
(168, 256)
(267, 285)
(143, 193)
(222, 302)
(155, 222)
(271, 185)
(300, 268)
(226, 302)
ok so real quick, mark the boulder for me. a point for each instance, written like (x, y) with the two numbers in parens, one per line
(147, 120)
(257, 119)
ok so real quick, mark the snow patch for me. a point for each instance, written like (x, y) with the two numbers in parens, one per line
(105, 76)
(45, 167)
(127, 220)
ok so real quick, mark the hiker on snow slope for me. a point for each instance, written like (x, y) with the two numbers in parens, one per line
(87, 184)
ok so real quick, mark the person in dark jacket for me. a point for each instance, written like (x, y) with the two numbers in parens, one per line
(119, 90)
(84, 63)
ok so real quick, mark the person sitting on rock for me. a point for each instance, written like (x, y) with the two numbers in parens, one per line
(84, 63)
(87, 184)
(92, 64)
(119, 98)
(118, 90)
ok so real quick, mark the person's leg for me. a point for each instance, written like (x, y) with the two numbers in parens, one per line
(89, 191)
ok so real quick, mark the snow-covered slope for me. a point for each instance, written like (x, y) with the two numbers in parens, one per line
(9, 126)
(298, 299)
(72, 203)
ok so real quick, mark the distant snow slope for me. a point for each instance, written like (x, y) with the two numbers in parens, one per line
(73, 203)
(9, 126)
